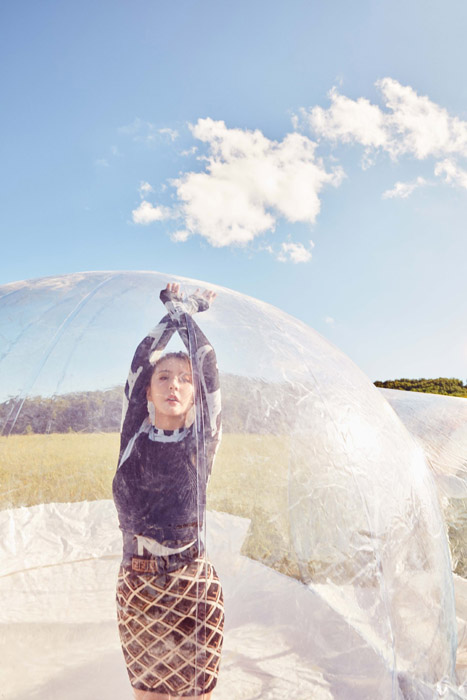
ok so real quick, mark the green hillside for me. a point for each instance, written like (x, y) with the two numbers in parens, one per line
(441, 385)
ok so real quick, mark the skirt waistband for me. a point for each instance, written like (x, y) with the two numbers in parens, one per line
(150, 563)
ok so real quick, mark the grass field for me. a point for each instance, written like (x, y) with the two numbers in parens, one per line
(69, 467)
(60, 467)
(249, 479)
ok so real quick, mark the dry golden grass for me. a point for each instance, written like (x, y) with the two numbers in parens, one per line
(64, 467)
(249, 479)
(59, 467)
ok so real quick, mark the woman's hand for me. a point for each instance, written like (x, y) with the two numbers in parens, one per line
(171, 296)
(203, 298)
(199, 301)
(172, 291)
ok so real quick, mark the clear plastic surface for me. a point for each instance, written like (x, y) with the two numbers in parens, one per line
(323, 522)
(440, 425)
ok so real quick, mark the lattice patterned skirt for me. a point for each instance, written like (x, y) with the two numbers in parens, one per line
(171, 628)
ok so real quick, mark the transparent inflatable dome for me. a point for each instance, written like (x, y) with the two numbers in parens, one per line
(323, 520)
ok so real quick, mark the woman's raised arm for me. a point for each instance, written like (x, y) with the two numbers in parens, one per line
(134, 410)
(150, 350)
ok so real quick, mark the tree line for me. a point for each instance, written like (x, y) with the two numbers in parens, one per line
(248, 405)
(441, 385)
(90, 411)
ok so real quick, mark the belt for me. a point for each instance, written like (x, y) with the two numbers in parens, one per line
(154, 564)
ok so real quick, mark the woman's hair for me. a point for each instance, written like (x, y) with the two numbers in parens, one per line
(180, 355)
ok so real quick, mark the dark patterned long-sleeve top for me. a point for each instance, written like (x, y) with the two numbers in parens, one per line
(159, 488)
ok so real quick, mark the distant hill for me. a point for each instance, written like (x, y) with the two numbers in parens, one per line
(441, 385)
(84, 411)
(248, 406)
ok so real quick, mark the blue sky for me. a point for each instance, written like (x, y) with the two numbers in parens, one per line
(311, 154)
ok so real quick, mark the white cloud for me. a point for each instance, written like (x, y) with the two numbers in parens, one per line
(146, 213)
(145, 188)
(404, 189)
(294, 252)
(189, 151)
(349, 121)
(408, 124)
(424, 127)
(141, 130)
(329, 320)
(453, 174)
(248, 182)
(172, 134)
(180, 236)
(411, 124)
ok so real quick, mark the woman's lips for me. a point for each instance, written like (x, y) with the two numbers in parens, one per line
(173, 399)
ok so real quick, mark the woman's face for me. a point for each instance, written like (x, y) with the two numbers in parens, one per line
(171, 392)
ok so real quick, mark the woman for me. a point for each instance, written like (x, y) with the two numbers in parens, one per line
(169, 599)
